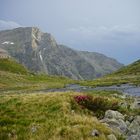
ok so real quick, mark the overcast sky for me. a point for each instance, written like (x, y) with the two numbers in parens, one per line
(111, 27)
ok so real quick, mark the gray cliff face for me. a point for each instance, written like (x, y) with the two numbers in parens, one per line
(39, 52)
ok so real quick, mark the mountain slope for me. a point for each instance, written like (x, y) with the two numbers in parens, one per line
(12, 66)
(132, 69)
(39, 52)
(100, 62)
(128, 74)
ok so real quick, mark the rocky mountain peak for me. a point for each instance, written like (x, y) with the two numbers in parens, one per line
(39, 52)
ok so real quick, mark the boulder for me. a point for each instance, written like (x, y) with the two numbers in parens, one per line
(110, 114)
(134, 137)
(111, 137)
(134, 128)
(116, 122)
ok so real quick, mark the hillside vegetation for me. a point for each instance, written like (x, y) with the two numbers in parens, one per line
(10, 65)
(14, 77)
(132, 69)
(51, 116)
(128, 74)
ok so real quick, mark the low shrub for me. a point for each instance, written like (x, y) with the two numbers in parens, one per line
(96, 104)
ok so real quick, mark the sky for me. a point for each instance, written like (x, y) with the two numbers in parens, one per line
(111, 27)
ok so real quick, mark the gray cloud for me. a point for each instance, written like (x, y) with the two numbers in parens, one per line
(8, 25)
(106, 33)
(119, 41)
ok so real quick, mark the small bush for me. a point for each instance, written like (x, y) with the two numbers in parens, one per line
(96, 104)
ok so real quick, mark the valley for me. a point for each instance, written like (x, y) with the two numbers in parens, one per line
(38, 106)
(51, 92)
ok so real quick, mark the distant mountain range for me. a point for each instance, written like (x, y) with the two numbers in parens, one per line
(40, 53)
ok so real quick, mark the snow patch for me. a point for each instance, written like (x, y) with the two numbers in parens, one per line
(8, 42)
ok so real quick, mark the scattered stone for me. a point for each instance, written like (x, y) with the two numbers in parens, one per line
(95, 133)
(110, 114)
(136, 104)
(127, 123)
(124, 105)
(116, 122)
(134, 128)
(111, 137)
(130, 128)
(33, 129)
(134, 137)
(72, 112)
(131, 118)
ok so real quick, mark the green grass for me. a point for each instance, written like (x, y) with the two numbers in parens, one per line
(51, 116)
(16, 82)
(132, 69)
(12, 66)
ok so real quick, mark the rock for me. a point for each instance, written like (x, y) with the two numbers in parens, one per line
(72, 112)
(134, 128)
(124, 105)
(127, 123)
(116, 122)
(136, 104)
(110, 114)
(131, 118)
(95, 133)
(111, 137)
(33, 129)
(134, 137)
(117, 125)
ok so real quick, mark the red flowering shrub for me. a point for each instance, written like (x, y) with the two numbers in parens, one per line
(96, 103)
(84, 100)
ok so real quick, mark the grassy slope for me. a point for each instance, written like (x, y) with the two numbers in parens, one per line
(12, 66)
(129, 74)
(14, 76)
(52, 116)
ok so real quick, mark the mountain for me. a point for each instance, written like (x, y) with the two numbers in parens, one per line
(40, 53)
(126, 75)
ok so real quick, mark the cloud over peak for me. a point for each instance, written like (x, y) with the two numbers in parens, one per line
(8, 25)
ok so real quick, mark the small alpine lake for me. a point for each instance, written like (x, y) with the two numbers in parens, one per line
(124, 88)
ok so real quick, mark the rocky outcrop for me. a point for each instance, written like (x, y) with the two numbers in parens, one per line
(39, 52)
(115, 120)
(134, 129)
(129, 129)
(111, 137)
